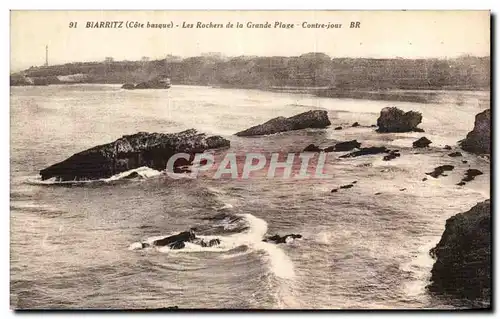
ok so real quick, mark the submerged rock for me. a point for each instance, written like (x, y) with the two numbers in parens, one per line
(447, 147)
(455, 154)
(392, 155)
(438, 171)
(338, 128)
(132, 151)
(392, 119)
(346, 186)
(366, 151)
(310, 119)
(355, 124)
(463, 256)
(422, 142)
(277, 239)
(478, 141)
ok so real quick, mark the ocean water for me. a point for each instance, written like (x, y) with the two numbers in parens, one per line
(74, 245)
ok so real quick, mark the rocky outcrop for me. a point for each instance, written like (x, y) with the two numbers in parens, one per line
(310, 119)
(132, 151)
(367, 151)
(179, 241)
(392, 119)
(463, 256)
(312, 148)
(344, 146)
(277, 239)
(478, 141)
(422, 142)
(392, 155)
(439, 171)
(469, 175)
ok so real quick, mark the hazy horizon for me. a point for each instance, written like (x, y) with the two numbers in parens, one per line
(383, 34)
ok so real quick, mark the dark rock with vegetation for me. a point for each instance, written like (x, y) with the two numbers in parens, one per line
(478, 141)
(132, 151)
(367, 151)
(422, 142)
(310, 119)
(394, 120)
(355, 124)
(439, 171)
(463, 256)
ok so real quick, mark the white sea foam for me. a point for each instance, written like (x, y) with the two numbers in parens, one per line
(143, 171)
(279, 263)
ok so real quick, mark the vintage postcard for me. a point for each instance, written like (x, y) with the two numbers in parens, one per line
(250, 160)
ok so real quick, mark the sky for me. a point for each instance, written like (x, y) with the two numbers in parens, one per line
(382, 34)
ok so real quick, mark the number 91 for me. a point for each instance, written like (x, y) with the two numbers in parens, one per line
(72, 24)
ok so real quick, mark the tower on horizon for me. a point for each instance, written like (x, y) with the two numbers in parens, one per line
(46, 55)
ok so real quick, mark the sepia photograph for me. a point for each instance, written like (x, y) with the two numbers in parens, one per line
(250, 160)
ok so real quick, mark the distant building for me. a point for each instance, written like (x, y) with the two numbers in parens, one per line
(108, 59)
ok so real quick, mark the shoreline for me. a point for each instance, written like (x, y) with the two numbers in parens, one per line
(415, 95)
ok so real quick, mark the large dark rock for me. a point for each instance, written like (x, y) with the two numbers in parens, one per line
(310, 119)
(478, 140)
(463, 256)
(132, 151)
(422, 142)
(392, 119)
(366, 151)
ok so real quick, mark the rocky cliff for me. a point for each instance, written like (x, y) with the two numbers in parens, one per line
(478, 140)
(463, 256)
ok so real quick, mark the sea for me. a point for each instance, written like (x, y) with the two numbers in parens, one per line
(74, 245)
